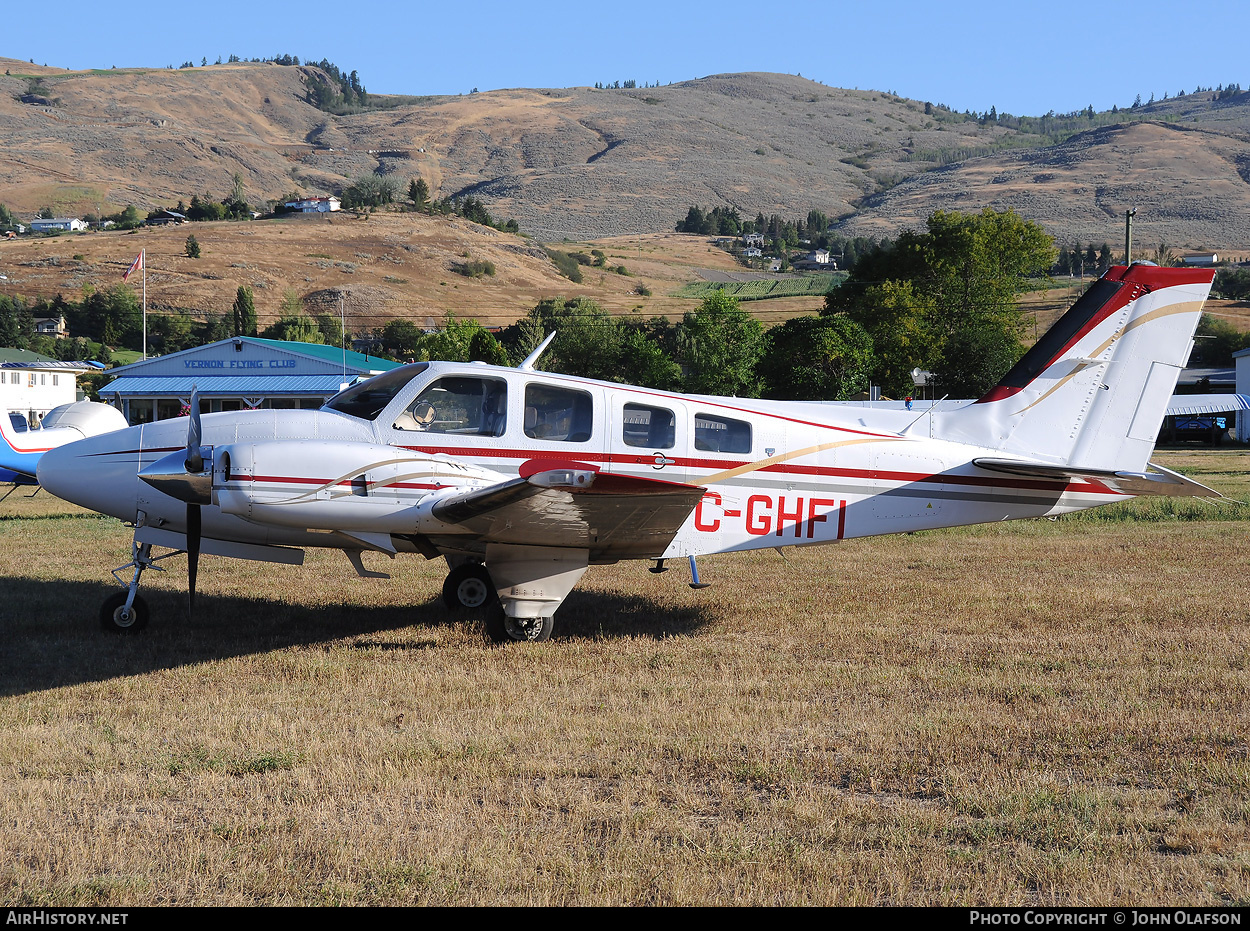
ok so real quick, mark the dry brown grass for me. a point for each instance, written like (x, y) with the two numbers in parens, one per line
(1042, 712)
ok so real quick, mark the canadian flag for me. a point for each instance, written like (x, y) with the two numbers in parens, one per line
(135, 266)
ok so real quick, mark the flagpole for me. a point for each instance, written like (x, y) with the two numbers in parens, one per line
(143, 260)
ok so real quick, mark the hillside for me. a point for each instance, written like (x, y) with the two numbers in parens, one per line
(588, 163)
(1189, 185)
(388, 266)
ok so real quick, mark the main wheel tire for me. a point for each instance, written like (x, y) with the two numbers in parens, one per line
(503, 629)
(117, 620)
(469, 588)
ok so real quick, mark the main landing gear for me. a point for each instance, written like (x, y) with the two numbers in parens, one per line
(518, 595)
(126, 612)
(470, 589)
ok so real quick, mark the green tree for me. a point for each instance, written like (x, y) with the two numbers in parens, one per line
(331, 329)
(402, 339)
(484, 347)
(964, 273)
(193, 247)
(720, 345)
(418, 192)
(291, 303)
(1217, 340)
(453, 342)
(243, 312)
(588, 340)
(8, 322)
(816, 358)
(645, 361)
(295, 328)
(169, 332)
(216, 327)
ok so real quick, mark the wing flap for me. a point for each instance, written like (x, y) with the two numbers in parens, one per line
(1159, 481)
(612, 516)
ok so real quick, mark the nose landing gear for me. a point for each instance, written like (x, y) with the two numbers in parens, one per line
(126, 612)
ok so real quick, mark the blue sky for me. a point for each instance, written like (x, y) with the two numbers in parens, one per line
(1023, 58)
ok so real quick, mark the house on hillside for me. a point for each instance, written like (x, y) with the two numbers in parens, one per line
(166, 218)
(314, 204)
(55, 224)
(1201, 259)
(755, 240)
(50, 326)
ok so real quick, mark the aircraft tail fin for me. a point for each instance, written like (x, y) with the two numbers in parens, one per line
(1092, 392)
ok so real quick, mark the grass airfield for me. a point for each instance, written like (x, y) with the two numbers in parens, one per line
(1042, 712)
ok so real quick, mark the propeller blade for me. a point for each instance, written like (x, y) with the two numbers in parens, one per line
(193, 553)
(195, 462)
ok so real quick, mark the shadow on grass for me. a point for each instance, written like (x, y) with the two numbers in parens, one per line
(52, 636)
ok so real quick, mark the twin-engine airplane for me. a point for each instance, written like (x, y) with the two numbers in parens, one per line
(20, 452)
(521, 479)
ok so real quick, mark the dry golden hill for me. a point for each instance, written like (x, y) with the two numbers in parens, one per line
(391, 265)
(588, 163)
(1189, 186)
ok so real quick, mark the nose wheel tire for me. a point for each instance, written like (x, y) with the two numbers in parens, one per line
(115, 618)
(503, 629)
(469, 588)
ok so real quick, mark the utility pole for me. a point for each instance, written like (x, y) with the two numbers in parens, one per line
(1128, 235)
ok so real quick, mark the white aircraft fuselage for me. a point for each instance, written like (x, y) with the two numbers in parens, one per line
(522, 478)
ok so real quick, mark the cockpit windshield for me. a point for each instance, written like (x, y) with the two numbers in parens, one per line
(368, 399)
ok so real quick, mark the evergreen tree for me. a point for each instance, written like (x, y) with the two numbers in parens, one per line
(243, 312)
(418, 191)
(192, 247)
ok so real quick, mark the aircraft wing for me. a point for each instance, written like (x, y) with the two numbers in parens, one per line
(1160, 481)
(573, 505)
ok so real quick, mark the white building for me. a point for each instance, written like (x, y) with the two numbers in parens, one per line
(65, 224)
(1241, 359)
(31, 384)
(1202, 259)
(314, 204)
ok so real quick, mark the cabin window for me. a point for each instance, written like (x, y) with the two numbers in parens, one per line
(650, 427)
(721, 434)
(465, 406)
(553, 413)
(368, 399)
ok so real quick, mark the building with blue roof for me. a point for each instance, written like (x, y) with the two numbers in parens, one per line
(235, 374)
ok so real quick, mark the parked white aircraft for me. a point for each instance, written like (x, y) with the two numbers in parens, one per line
(20, 452)
(520, 479)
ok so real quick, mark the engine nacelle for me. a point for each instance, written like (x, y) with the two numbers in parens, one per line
(335, 485)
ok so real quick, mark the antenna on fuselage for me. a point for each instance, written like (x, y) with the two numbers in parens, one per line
(528, 364)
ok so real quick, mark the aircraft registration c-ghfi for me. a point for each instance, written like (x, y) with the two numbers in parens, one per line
(521, 479)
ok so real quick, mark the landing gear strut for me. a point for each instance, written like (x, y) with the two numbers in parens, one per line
(126, 612)
(517, 597)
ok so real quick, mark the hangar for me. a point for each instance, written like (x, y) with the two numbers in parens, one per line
(237, 373)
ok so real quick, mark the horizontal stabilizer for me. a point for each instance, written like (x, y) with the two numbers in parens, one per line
(1161, 481)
